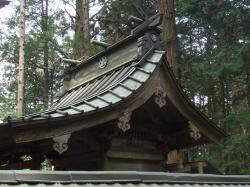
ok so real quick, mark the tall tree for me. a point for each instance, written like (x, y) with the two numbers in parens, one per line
(167, 10)
(20, 95)
(44, 26)
(42, 55)
(214, 40)
(82, 29)
(113, 18)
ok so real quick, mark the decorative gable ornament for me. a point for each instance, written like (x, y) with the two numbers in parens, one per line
(194, 131)
(124, 121)
(160, 97)
(103, 62)
(61, 143)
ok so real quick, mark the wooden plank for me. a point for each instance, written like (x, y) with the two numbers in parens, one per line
(115, 94)
(104, 100)
(126, 87)
(76, 109)
(144, 71)
(61, 112)
(91, 105)
(135, 79)
(45, 115)
(120, 56)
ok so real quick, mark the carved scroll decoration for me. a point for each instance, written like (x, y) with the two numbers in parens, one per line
(124, 121)
(103, 62)
(61, 143)
(160, 97)
(194, 131)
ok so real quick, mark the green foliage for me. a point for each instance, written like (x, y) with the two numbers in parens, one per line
(214, 48)
(36, 39)
(113, 23)
(46, 166)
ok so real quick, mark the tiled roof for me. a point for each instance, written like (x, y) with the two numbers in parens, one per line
(103, 91)
(118, 178)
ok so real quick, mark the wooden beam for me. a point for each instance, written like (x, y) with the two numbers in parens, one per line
(71, 61)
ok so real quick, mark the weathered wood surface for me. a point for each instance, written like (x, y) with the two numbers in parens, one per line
(114, 60)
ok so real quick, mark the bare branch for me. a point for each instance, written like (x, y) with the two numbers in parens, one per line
(56, 46)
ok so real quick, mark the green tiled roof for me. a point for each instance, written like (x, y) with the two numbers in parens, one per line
(103, 91)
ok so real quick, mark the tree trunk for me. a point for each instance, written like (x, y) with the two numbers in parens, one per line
(51, 87)
(20, 94)
(166, 9)
(223, 97)
(45, 52)
(248, 86)
(82, 29)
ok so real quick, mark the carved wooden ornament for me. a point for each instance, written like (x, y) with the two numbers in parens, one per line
(194, 131)
(61, 143)
(160, 97)
(103, 62)
(123, 121)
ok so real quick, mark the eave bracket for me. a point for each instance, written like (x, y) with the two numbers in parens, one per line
(61, 143)
(124, 121)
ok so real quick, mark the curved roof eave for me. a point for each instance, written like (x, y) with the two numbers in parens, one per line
(94, 99)
(98, 104)
(187, 108)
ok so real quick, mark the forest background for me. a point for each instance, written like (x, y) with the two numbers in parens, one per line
(213, 47)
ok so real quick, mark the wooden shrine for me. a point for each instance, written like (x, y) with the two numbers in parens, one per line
(121, 109)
